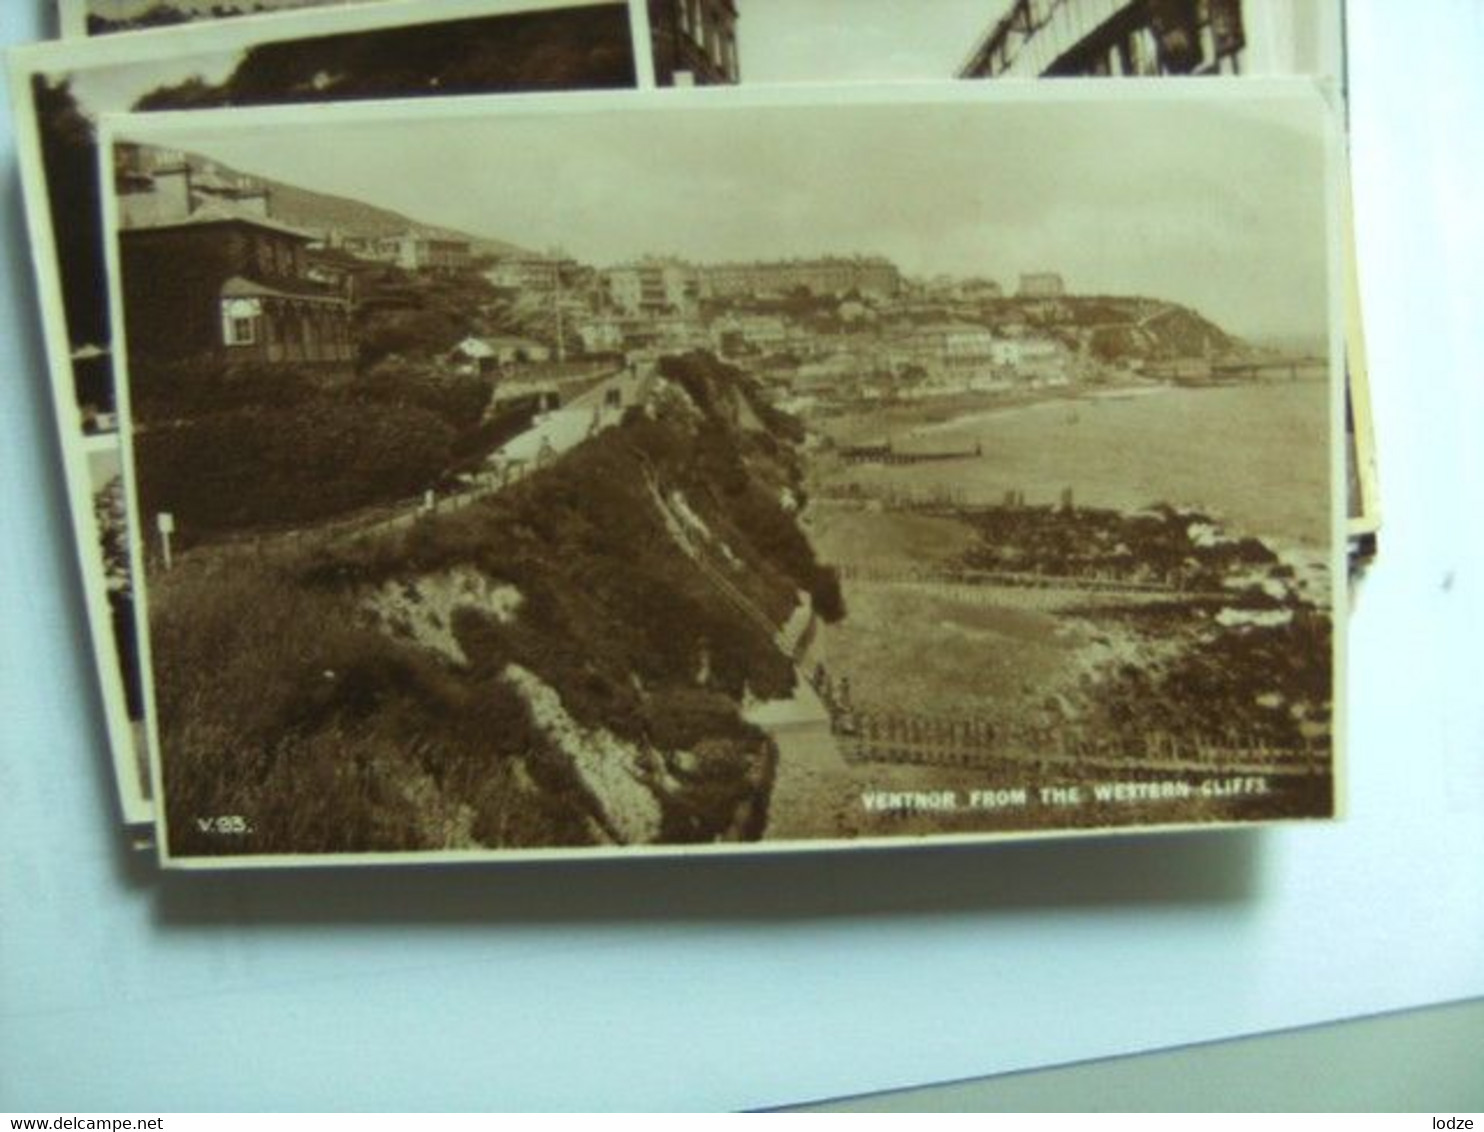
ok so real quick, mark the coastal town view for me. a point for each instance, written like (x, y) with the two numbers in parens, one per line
(500, 547)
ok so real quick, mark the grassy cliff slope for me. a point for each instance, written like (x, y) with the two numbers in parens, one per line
(562, 663)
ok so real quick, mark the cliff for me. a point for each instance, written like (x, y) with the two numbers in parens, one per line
(563, 662)
(1121, 329)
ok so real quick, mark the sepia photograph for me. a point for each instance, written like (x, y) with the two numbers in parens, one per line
(382, 50)
(107, 17)
(1113, 38)
(707, 42)
(800, 500)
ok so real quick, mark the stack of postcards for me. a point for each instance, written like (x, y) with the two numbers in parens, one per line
(499, 429)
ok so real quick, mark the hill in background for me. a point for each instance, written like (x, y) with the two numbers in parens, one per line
(318, 212)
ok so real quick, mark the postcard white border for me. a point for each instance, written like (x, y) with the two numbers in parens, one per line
(159, 127)
(72, 19)
(1368, 522)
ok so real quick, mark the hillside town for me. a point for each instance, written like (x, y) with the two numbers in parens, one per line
(824, 335)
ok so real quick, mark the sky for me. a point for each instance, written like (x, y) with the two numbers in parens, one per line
(840, 40)
(118, 86)
(1219, 205)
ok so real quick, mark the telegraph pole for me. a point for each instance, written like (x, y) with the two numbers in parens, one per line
(561, 338)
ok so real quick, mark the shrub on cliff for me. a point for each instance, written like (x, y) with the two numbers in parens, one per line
(459, 399)
(173, 391)
(408, 333)
(265, 466)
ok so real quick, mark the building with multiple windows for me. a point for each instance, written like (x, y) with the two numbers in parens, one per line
(208, 274)
(759, 333)
(412, 250)
(536, 272)
(1041, 285)
(671, 286)
(424, 251)
(957, 345)
(1033, 38)
(865, 275)
(604, 334)
(159, 186)
(651, 286)
(694, 42)
(497, 352)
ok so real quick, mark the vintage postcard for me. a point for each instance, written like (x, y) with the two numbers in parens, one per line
(774, 496)
(382, 50)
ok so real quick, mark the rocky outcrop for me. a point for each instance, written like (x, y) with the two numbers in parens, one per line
(422, 609)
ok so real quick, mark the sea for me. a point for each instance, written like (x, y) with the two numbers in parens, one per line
(1255, 457)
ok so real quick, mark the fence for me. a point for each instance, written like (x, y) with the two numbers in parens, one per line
(928, 740)
(988, 586)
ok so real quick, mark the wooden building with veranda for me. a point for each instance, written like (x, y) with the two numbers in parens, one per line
(215, 286)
